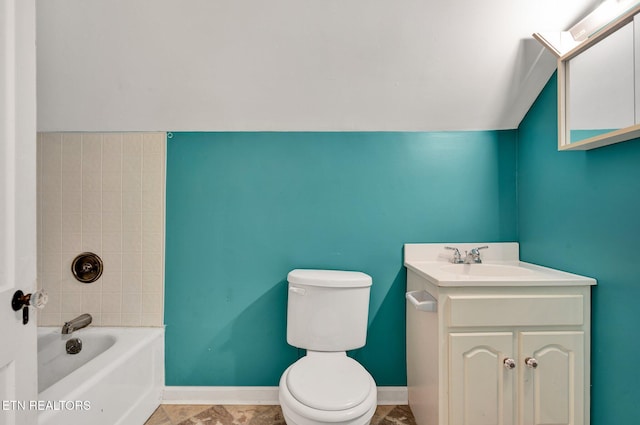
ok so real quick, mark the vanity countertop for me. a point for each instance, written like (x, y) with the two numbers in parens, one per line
(500, 267)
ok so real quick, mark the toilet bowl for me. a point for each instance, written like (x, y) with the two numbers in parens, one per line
(327, 388)
(327, 314)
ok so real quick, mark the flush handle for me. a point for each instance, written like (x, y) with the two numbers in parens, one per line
(297, 291)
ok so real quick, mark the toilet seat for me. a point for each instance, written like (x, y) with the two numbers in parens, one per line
(314, 367)
(328, 382)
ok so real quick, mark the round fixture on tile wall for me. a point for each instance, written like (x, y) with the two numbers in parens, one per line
(87, 267)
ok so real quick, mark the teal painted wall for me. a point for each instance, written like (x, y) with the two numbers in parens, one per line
(580, 212)
(243, 209)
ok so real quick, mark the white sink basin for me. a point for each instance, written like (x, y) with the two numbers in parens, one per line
(500, 266)
(494, 270)
(515, 273)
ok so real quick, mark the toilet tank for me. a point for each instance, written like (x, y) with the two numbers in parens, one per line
(327, 310)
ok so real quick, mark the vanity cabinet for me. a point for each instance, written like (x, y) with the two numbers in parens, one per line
(499, 355)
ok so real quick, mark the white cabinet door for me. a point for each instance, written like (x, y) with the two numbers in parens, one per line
(481, 389)
(552, 392)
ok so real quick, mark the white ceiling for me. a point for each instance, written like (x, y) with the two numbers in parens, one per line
(376, 65)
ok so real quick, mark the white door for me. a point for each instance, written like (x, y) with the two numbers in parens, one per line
(18, 379)
(481, 388)
(553, 391)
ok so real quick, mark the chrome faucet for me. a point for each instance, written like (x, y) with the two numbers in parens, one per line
(473, 257)
(78, 323)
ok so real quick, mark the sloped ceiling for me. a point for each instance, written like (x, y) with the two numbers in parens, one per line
(374, 65)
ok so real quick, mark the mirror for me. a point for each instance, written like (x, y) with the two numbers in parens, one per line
(597, 85)
(600, 96)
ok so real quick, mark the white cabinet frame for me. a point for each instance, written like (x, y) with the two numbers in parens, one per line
(456, 355)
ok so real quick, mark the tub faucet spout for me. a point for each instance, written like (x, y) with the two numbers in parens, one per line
(78, 323)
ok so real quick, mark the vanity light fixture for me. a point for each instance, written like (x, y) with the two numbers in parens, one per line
(561, 42)
(601, 16)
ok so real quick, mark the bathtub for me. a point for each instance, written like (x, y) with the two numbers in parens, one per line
(117, 378)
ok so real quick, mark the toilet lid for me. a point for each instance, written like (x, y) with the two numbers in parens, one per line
(328, 383)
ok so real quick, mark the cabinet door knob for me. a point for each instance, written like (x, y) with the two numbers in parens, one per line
(531, 362)
(509, 363)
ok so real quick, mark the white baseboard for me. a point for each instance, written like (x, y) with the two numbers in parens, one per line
(393, 396)
(257, 395)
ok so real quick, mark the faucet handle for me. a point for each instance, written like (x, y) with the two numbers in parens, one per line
(474, 255)
(476, 251)
(457, 258)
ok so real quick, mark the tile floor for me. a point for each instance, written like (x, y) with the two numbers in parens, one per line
(183, 414)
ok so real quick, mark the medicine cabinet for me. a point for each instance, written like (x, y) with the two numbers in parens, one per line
(599, 86)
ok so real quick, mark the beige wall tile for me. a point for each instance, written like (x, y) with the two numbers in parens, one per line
(71, 222)
(91, 201)
(151, 302)
(131, 222)
(51, 262)
(71, 201)
(132, 143)
(113, 260)
(112, 281)
(131, 303)
(152, 261)
(49, 319)
(132, 181)
(54, 303)
(152, 319)
(111, 181)
(152, 282)
(131, 320)
(112, 242)
(92, 242)
(51, 282)
(132, 282)
(111, 222)
(111, 302)
(72, 241)
(131, 201)
(72, 302)
(112, 201)
(152, 242)
(151, 201)
(114, 319)
(92, 190)
(131, 164)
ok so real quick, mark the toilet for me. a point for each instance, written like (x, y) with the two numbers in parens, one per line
(327, 314)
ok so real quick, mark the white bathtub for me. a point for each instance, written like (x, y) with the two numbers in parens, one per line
(117, 378)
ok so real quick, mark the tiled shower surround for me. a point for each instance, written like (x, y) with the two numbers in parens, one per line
(103, 193)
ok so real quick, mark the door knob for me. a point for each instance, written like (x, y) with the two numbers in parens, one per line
(531, 362)
(509, 363)
(21, 301)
